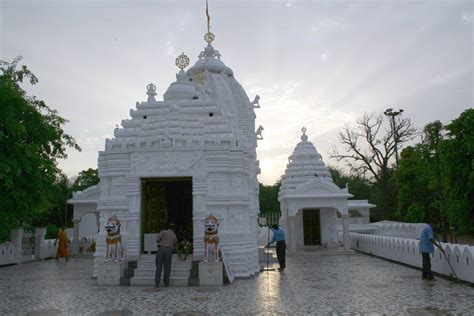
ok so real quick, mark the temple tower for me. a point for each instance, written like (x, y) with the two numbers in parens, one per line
(181, 159)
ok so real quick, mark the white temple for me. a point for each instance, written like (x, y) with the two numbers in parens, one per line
(310, 202)
(181, 159)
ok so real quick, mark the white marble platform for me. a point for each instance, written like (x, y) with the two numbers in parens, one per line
(312, 284)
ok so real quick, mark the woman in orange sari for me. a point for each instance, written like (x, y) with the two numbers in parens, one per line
(62, 244)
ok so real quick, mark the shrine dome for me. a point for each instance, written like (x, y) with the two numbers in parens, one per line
(181, 89)
(305, 164)
(209, 60)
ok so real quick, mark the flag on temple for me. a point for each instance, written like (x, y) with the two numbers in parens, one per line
(208, 18)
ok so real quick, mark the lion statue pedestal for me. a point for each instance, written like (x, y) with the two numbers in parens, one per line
(211, 273)
(110, 273)
(113, 269)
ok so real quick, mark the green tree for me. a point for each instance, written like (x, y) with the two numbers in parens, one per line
(457, 172)
(58, 213)
(268, 198)
(85, 179)
(31, 142)
(419, 180)
(435, 177)
(412, 177)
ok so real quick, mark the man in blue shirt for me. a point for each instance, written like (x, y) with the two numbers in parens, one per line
(426, 247)
(279, 237)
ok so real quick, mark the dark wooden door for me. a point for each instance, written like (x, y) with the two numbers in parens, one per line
(312, 227)
(155, 212)
(167, 200)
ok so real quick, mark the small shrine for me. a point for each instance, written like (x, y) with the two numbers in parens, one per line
(311, 203)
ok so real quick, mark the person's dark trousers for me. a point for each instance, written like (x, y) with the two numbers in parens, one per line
(427, 274)
(281, 253)
(163, 258)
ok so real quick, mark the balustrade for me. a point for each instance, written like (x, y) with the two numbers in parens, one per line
(406, 250)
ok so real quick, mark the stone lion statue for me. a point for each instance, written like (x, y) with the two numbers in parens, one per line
(211, 237)
(113, 240)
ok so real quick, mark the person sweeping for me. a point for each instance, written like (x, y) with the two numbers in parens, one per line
(279, 237)
(426, 247)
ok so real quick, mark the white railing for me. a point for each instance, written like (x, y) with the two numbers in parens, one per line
(397, 229)
(406, 250)
(355, 220)
(24, 247)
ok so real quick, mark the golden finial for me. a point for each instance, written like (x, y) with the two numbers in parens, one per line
(182, 61)
(304, 137)
(209, 37)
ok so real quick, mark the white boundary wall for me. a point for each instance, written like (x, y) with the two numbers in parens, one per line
(406, 250)
(11, 252)
(398, 229)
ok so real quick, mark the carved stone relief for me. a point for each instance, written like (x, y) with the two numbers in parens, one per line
(217, 185)
(104, 187)
(236, 219)
(117, 187)
(164, 162)
(238, 185)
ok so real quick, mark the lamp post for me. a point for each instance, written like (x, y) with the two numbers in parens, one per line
(391, 113)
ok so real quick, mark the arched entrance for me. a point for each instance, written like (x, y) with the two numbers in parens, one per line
(164, 201)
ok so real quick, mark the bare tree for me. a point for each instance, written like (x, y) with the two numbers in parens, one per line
(369, 149)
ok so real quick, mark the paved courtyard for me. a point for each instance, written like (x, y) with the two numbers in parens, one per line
(318, 284)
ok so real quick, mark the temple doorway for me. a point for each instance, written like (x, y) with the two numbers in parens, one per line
(311, 227)
(167, 200)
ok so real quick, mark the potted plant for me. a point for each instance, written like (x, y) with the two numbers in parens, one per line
(183, 249)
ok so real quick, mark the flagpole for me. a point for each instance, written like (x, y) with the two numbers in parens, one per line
(208, 18)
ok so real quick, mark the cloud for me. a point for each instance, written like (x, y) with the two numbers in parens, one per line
(92, 141)
(466, 16)
(324, 55)
(327, 24)
(169, 48)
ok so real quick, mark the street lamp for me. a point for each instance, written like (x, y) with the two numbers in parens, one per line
(391, 113)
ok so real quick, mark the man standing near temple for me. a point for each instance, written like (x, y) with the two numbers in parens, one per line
(166, 240)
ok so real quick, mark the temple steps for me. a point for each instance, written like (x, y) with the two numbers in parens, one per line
(144, 274)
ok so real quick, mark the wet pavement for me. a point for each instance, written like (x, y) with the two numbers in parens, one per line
(317, 284)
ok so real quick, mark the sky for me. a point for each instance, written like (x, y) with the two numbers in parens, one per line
(317, 64)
